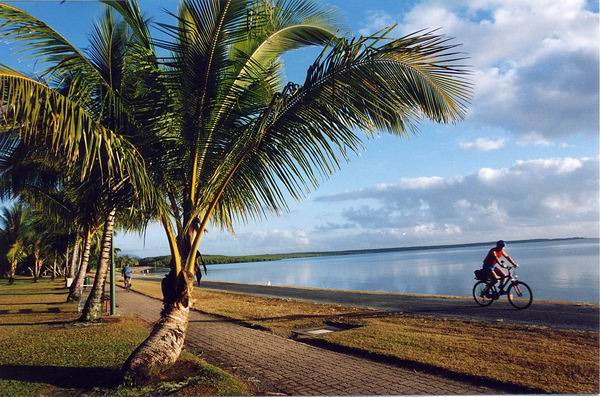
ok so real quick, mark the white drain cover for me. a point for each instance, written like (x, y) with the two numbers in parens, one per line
(319, 331)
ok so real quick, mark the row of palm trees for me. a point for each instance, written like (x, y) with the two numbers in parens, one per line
(36, 242)
(27, 238)
(198, 128)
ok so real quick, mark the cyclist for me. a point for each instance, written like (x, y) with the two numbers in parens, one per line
(127, 272)
(492, 259)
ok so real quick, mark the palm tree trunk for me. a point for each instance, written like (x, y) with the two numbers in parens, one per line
(77, 286)
(12, 269)
(40, 266)
(93, 305)
(66, 264)
(54, 269)
(162, 348)
(74, 260)
(37, 266)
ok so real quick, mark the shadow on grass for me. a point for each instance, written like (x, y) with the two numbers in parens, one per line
(346, 315)
(57, 322)
(32, 303)
(64, 377)
(292, 317)
(22, 312)
(30, 292)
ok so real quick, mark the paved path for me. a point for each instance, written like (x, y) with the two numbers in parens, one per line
(279, 365)
(559, 315)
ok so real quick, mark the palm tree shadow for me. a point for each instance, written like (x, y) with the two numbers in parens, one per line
(23, 292)
(346, 315)
(51, 322)
(63, 377)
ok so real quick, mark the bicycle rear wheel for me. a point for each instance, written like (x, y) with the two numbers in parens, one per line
(479, 295)
(520, 295)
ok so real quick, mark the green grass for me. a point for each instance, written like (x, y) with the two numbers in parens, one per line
(556, 361)
(43, 352)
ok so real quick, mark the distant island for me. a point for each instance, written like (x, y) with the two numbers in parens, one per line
(163, 261)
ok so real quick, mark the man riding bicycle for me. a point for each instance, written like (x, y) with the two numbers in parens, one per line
(492, 259)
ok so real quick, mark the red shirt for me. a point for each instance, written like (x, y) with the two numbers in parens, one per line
(494, 256)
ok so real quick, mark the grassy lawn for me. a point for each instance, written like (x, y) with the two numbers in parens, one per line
(556, 361)
(42, 352)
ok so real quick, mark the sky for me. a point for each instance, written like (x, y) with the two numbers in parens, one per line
(523, 164)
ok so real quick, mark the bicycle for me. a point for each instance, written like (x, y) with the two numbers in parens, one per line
(519, 294)
(127, 282)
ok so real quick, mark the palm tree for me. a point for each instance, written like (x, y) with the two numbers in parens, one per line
(82, 117)
(64, 201)
(246, 141)
(223, 137)
(56, 240)
(13, 229)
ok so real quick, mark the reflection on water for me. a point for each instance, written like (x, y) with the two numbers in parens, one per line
(556, 271)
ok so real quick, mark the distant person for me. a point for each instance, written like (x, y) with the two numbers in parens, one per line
(198, 269)
(127, 273)
(492, 259)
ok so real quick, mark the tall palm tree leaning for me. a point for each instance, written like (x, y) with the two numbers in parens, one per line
(224, 139)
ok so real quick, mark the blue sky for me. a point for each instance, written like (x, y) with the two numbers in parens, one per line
(524, 163)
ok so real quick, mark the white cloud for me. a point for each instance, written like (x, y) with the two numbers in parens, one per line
(533, 139)
(421, 182)
(556, 166)
(259, 241)
(549, 197)
(535, 61)
(545, 196)
(562, 203)
(483, 144)
(376, 20)
(491, 175)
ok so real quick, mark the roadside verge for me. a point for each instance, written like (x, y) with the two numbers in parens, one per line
(537, 358)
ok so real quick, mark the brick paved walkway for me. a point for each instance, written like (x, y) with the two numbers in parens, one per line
(279, 365)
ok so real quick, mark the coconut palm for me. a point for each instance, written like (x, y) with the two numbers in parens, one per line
(13, 230)
(247, 141)
(55, 245)
(223, 137)
(70, 205)
(82, 118)
(41, 238)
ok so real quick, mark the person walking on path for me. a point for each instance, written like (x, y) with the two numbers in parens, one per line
(127, 273)
(198, 270)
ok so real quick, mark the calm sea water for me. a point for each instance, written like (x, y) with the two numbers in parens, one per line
(567, 270)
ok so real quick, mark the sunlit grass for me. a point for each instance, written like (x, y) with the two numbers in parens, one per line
(278, 314)
(43, 352)
(557, 361)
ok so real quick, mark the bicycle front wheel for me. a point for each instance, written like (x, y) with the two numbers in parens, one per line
(480, 295)
(520, 295)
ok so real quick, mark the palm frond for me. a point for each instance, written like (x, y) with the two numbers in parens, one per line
(41, 42)
(301, 136)
(253, 78)
(131, 13)
(38, 112)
